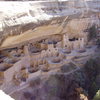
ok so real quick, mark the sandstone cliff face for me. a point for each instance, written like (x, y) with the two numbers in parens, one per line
(17, 18)
(44, 47)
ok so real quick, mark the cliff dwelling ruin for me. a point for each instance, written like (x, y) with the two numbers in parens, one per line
(45, 46)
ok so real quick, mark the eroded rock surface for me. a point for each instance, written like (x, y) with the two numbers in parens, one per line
(45, 17)
(45, 48)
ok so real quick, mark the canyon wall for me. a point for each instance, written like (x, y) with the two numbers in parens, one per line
(40, 17)
(45, 53)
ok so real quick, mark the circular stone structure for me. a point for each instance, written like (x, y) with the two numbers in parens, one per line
(67, 51)
(56, 60)
(81, 50)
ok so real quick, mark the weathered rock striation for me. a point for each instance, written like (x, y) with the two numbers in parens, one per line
(40, 17)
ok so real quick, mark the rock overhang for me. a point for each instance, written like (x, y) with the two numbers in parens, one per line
(42, 12)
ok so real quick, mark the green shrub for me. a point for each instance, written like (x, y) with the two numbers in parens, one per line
(97, 96)
(92, 32)
(92, 69)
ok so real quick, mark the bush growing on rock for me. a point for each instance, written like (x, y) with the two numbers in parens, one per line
(92, 68)
(97, 96)
(92, 32)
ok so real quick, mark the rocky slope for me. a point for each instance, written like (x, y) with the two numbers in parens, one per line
(61, 85)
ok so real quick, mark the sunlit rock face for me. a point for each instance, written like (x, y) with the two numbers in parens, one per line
(17, 18)
(21, 13)
(5, 96)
